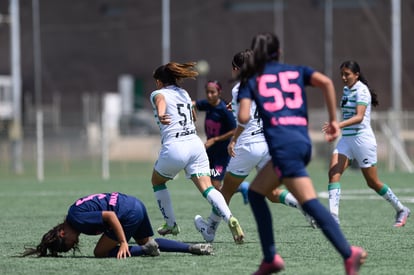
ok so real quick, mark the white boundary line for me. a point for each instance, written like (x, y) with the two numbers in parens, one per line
(369, 194)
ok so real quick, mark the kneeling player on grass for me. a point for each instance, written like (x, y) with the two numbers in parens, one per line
(116, 216)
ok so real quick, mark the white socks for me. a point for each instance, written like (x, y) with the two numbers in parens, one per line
(165, 206)
(334, 191)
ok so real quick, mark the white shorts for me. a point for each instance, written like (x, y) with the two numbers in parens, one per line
(248, 156)
(189, 155)
(361, 148)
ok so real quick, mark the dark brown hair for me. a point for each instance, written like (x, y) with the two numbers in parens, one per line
(171, 73)
(51, 244)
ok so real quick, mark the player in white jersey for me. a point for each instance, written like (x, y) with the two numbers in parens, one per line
(181, 148)
(248, 150)
(358, 143)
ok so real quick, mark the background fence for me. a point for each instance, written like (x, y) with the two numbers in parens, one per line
(93, 50)
(95, 148)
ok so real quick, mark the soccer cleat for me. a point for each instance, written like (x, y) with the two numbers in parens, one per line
(244, 188)
(201, 249)
(311, 221)
(151, 248)
(208, 232)
(354, 262)
(165, 229)
(274, 267)
(401, 217)
(236, 230)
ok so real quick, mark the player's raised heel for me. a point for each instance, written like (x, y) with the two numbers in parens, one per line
(354, 262)
(274, 267)
(165, 229)
(208, 232)
(401, 217)
(236, 230)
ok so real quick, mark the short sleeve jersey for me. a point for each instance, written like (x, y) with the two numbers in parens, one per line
(358, 94)
(281, 100)
(253, 132)
(219, 120)
(179, 107)
(85, 215)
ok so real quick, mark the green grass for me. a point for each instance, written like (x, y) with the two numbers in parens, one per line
(29, 209)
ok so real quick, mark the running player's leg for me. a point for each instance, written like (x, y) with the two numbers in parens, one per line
(164, 202)
(382, 189)
(209, 227)
(169, 163)
(339, 162)
(167, 245)
(263, 184)
(199, 171)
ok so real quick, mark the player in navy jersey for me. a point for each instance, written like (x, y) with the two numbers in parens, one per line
(248, 150)
(116, 217)
(279, 93)
(219, 127)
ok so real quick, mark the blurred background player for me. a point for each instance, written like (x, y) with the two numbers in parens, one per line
(279, 92)
(219, 127)
(117, 217)
(358, 142)
(248, 150)
(181, 148)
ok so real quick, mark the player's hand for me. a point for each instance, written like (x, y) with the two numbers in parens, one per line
(230, 148)
(210, 142)
(123, 251)
(229, 107)
(331, 130)
(165, 119)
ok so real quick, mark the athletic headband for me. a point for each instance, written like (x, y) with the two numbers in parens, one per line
(217, 86)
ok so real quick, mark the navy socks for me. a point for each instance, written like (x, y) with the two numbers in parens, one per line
(167, 245)
(264, 223)
(313, 207)
(328, 226)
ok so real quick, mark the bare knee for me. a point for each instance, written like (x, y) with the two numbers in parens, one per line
(100, 254)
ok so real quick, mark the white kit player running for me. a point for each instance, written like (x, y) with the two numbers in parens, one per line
(181, 148)
(358, 143)
(248, 150)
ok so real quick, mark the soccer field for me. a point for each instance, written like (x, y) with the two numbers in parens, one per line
(29, 209)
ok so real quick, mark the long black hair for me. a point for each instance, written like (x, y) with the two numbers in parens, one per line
(354, 67)
(265, 47)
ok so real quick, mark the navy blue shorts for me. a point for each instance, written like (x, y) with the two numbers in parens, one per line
(290, 161)
(134, 220)
(218, 164)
